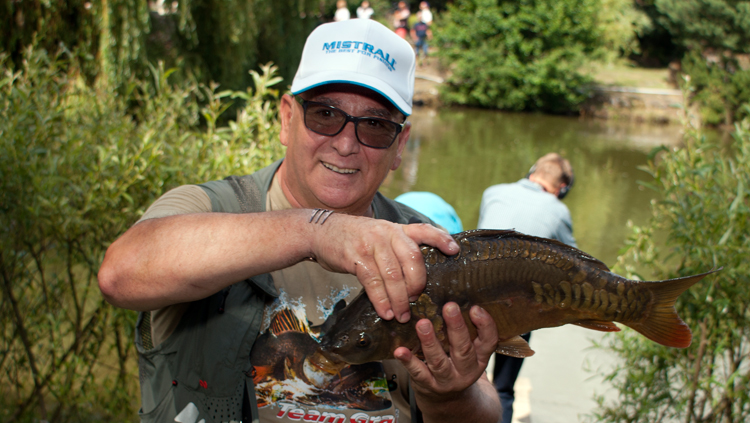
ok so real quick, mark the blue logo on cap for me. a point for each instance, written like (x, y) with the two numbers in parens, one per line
(360, 47)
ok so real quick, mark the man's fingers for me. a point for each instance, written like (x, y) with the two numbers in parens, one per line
(429, 235)
(369, 277)
(394, 284)
(411, 264)
(461, 348)
(486, 342)
(384, 256)
(435, 357)
(416, 368)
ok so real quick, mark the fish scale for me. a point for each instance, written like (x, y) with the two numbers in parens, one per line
(525, 283)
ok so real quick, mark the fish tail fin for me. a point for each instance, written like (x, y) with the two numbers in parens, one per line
(662, 324)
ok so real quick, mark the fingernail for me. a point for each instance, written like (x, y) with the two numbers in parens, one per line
(423, 328)
(413, 299)
(405, 317)
(452, 310)
(478, 311)
(389, 315)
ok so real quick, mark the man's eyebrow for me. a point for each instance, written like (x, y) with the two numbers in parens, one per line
(379, 112)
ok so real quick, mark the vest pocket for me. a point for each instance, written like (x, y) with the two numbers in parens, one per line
(163, 412)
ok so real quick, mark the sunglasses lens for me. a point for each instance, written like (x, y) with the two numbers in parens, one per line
(377, 133)
(323, 119)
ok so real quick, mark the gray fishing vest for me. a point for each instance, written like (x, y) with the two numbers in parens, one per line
(202, 373)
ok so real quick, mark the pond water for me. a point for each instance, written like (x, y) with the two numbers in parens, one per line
(457, 153)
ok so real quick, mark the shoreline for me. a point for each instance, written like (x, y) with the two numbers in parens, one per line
(607, 102)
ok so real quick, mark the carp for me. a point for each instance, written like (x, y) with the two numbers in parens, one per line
(524, 283)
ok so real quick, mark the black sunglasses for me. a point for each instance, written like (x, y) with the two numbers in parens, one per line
(328, 120)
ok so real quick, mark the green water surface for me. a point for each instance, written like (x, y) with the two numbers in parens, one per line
(458, 153)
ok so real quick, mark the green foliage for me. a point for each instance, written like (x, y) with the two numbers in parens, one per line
(706, 217)
(621, 22)
(719, 88)
(518, 55)
(77, 167)
(679, 26)
(657, 46)
(108, 35)
(707, 24)
(213, 40)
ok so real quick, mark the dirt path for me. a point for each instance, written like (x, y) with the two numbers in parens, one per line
(428, 77)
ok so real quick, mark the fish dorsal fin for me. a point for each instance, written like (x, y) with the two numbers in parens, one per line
(600, 325)
(509, 233)
(514, 347)
(286, 321)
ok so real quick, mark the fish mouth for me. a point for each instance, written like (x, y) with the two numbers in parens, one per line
(327, 362)
(339, 170)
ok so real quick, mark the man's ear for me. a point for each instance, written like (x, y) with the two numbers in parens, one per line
(402, 139)
(286, 110)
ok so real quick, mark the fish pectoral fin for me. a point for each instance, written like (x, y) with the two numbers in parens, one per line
(514, 347)
(600, 325)
(425, 308)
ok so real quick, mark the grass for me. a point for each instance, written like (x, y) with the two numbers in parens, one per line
(624, 74)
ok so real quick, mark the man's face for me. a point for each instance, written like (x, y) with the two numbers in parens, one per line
(336, 172)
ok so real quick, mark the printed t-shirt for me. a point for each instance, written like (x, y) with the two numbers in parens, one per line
(287, 388)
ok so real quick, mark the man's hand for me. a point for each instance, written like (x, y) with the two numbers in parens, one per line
(384, 256)
(454, 385)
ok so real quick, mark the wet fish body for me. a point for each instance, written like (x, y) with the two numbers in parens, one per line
(525, 283)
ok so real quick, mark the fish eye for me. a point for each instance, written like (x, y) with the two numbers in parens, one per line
(363, 341)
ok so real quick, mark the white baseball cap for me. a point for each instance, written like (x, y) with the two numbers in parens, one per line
(360, 52)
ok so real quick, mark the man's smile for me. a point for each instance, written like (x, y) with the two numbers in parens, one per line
(338, 169)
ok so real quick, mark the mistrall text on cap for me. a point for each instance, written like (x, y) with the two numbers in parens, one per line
(360, 47)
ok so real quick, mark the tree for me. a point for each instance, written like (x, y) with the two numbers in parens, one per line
(679, 26)
(215, 40)
(707, 24)
(621, 24)
(518, 55)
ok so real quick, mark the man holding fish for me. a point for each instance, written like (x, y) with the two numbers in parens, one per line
(260, 260)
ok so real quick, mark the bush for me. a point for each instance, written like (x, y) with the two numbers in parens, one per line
(517, 55)
(706, 217)
(720, 88)
(78, 165)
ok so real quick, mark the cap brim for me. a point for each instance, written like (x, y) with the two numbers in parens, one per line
(343, 77)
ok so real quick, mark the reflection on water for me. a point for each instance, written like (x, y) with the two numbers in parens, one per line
(458, 153)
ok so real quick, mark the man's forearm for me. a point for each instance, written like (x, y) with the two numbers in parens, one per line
(175, 259)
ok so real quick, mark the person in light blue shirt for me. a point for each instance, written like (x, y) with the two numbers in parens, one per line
(434, 207)
(531, 206)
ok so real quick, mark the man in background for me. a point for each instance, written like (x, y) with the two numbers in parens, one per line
(401, 20)
(424, 8)
(421, 33)
(531, 206)
(364, 11)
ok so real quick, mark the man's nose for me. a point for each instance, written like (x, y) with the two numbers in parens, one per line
(345, 143)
